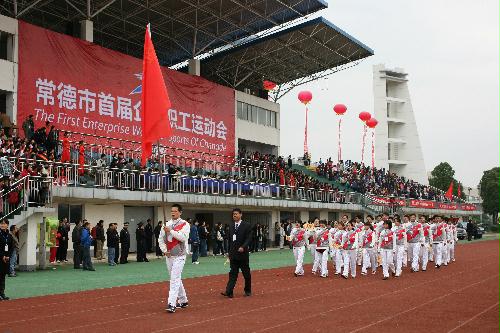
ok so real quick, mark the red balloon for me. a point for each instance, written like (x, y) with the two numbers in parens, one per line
(372, 122)
(364, 116)
(268, 85)
(305, 96)
(340, 109)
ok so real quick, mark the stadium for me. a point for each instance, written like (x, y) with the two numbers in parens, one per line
(70, 95)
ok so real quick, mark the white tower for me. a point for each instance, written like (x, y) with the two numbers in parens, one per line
(397, 145)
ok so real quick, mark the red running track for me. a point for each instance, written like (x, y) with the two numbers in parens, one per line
(462, 297)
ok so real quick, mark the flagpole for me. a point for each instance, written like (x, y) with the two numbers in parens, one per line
(162, 187)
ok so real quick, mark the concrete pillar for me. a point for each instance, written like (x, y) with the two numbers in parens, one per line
(323, 215)
(87, 30)
(28, 241)
(275, 217)
(194, 67)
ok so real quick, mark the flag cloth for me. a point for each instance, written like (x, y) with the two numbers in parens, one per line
(449, 193)
(155, 102)
(459, 190)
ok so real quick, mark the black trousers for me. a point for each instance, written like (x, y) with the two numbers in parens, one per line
(236, 265)
(3, 273)
(77, 255)
(124, 255)
(469, 236)
(117, 254)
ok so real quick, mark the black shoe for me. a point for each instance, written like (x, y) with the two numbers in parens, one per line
(295, 274)
(170, 308)
(248, 294)
(227, 295)
(385, 278)
(146, 260)
(4, 298)
(182, 305)
(438, 266)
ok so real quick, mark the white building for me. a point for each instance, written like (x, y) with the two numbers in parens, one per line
(397, 147)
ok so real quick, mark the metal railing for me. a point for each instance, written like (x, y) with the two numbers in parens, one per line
(25, 192)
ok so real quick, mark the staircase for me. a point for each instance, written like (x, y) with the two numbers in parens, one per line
(34, 196)
(311, 171)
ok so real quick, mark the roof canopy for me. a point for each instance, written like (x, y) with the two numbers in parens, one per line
(181, 29)
(292, 56)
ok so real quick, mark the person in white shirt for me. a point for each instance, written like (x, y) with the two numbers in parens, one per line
(311, 235)
(400, 234)
(415, 240)
(386, 248)
(299, 242)
(350, 246)
(426, 249)
(322, 248)
(339, 251)
(333, 249)
(452, 239)
(173, 244)
(438, 234)
(367, 243)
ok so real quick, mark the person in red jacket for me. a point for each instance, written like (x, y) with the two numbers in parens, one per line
(65, 155)
(81, 158)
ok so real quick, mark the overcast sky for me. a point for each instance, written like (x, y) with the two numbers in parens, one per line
(450, 51)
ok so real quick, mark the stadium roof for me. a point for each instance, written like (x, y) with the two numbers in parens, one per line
(181, 29)
(289, 57)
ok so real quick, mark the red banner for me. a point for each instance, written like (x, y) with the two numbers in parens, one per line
(448, 206)
(81, 87)
(389, 201)
(422, 204)
(468, 207)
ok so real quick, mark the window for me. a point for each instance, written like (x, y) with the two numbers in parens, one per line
(256, 114)
(262, 116)
(72, 212)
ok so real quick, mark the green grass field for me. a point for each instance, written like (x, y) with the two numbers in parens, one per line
(63, 278)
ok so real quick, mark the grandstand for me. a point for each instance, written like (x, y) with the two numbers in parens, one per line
(225, 147)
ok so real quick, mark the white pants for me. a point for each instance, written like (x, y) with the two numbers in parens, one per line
(282, 242)
(451, 250)
(312, 248)
(387, 261)
(369, 260)
(322, 262)
(318, 261)
(298, 253)
(413, 253)
(424, 255)
(398, 259)
(405, 256)
(177, 291)
(350, 262)
(339, 260)
(437, 249)
(444, 253)
(333, 255)
(359, 256)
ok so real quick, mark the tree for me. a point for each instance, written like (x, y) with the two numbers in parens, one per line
(441, 177)
(489, 192)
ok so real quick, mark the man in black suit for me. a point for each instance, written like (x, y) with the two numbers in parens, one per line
(240, 237)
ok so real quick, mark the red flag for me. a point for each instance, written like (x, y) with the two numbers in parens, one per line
(155, 102)
(449, 193)
(459, 190)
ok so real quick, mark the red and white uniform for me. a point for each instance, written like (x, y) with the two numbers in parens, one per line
(350, 246)
(400, 234)
(426, 249)
(415, 240)
(175, 244)
(339, 253)
(367, 244)
(299, 241)
(438, 232)
(386, 248)
(322, 250)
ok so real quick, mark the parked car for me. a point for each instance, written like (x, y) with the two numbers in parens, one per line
(461, 232)
(479, 232)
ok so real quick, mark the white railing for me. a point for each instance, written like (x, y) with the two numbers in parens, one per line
(24, 192)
